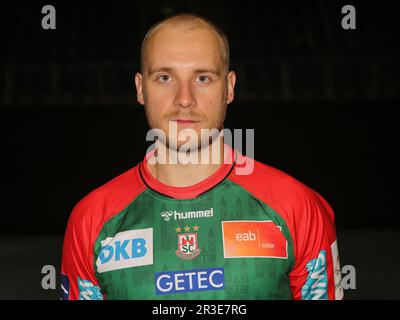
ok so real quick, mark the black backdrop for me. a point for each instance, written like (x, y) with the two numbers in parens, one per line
(321, 99)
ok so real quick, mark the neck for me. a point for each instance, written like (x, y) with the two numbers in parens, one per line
(184, 175)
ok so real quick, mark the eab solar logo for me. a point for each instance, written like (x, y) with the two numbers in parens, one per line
(126, 249)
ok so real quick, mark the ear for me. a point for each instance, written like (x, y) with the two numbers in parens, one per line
(231, 81)
(139, 87)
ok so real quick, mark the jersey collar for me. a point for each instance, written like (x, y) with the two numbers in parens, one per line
(192, 191)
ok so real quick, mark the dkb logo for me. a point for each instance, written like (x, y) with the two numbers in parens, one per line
(125, 250)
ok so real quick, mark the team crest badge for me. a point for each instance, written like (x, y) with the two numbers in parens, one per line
(188, 245)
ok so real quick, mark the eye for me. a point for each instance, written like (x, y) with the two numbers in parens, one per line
(203, 79)
(164, 78)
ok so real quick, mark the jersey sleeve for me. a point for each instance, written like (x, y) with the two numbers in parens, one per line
(78, 279)
(316, 273)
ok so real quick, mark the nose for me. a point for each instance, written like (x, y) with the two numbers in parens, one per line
(184, 97)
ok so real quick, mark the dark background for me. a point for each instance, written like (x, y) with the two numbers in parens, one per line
(321, 99)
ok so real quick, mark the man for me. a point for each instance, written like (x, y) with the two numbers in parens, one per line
(170, 229)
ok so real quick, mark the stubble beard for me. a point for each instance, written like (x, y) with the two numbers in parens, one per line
(202, 142)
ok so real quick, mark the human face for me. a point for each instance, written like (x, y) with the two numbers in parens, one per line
(184, 81)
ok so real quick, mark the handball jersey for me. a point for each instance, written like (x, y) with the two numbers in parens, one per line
(262, 235)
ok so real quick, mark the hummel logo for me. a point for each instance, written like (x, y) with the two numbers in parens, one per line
(187, 214)
(166, 215)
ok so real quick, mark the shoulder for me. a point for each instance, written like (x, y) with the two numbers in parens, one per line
(285, 194)
(307, 216)
(271, 182)
(109, 199)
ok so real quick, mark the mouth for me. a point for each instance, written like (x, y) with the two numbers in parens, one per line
(186, 121)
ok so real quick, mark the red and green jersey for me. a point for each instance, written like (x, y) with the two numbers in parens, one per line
(262, 235)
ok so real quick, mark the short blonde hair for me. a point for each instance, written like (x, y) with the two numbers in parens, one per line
(193, 21)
